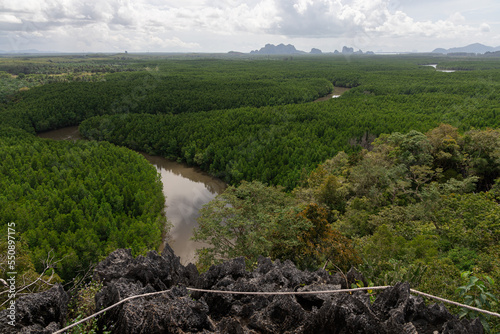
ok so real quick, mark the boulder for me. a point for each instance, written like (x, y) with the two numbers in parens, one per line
(43, 312)
(124, 276)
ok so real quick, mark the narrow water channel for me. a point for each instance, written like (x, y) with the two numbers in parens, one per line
(435, 67)
(337, 92)
(186, 190)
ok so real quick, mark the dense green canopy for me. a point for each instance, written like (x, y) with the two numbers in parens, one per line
(80, 200)
(420, 203)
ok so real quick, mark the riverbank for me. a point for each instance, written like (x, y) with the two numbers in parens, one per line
(186, 190)
(337, 92)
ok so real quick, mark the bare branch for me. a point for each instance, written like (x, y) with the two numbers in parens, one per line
(49, 264)
(79, 280)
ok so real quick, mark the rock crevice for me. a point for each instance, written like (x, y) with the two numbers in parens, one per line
(395, 310)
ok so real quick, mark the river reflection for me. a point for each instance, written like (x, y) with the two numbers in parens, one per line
(186, 190)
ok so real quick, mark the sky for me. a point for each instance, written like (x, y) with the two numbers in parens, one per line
(236, 25)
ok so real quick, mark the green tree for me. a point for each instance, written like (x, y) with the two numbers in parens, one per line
(477, 293)
(322, 245)
(241, 222)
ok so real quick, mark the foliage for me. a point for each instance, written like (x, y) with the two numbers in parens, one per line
(274, 144)
(241, 221)
(21, 74)
(253, 220)
(371, 293)
(28, 280)
(476, 293)
(420, 203)
(83, 305)
(323, 244)
(270, 144)
(168, 88)
(410, 218)
(80, 200)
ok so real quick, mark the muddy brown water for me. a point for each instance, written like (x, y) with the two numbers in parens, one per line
(186, 190)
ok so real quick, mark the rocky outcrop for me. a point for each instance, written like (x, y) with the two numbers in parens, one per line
(125, 276)
(180, 311)
(347, 50)
(158, 271)
(43, 312)
(281, 49)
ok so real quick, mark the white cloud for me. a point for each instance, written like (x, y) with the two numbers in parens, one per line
(485, 27)
(401, 25)
(339, 18)
(8, 18)
(457, 18)
(192, 24)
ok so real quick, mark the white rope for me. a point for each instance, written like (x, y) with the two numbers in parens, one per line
(109, 308)
(455, 303)
(287, 292)
(273, 293)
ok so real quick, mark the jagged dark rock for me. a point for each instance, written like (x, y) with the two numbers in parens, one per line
(394, 311)
(179, 311)
(343, 313)
(172, 312)
(160, 271)
(42, 312)
(125, 276)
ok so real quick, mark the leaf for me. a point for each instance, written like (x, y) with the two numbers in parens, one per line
(465, 274)
(473, 280)
(492, 296)
(482, 298)
(485, 325)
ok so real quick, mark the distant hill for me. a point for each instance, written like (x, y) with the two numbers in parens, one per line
(282, 49)
(350, 51)
(472, 48)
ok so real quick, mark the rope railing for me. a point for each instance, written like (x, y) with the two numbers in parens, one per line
(268, 293)
(454, 303)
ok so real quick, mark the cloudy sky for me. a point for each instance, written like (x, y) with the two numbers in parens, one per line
(225, 25)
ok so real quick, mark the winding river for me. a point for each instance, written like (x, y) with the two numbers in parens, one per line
(186, 190)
